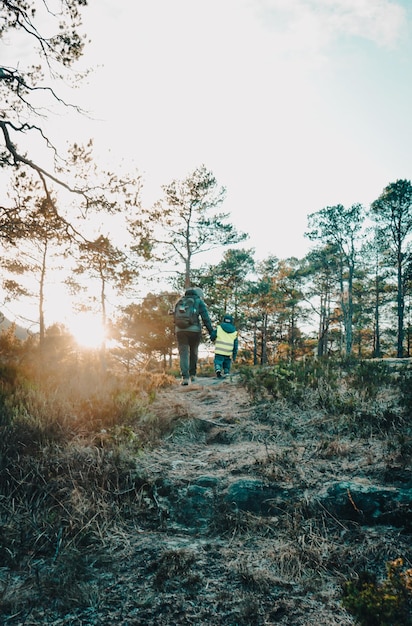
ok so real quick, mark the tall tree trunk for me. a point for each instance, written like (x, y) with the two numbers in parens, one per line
(401, 308)
(104, 322)
(349, 320)
(377, 332)
(41, 296)
(292, 335)
(323, 327)
(187, 274)
(255, 351)
(264, 355)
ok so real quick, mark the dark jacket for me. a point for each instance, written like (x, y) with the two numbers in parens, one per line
(202, 317)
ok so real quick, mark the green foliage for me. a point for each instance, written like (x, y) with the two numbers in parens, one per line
(8, 380)
(381, 604)
(188, 214)
(376, 419)
(371, 396)
(404, 384)
(369, 376)
(287, 381)
(274, 382)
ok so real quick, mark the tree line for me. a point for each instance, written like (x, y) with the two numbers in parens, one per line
(350, 294)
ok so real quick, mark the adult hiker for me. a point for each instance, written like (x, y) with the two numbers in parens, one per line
(189, 313)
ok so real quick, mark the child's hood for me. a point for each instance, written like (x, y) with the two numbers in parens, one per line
(227, 327)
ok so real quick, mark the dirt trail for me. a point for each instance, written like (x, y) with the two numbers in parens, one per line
(233, 570)
(214, 414)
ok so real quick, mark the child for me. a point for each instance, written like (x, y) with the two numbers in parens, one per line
(226, 346)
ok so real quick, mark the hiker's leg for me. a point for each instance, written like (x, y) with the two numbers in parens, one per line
(218, 362)
(183, 346)
(226, 364)
(194, 341)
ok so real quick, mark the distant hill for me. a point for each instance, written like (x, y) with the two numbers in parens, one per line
(20, 332)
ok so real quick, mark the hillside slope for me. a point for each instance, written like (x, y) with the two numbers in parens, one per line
(263, 554)
(233, 528)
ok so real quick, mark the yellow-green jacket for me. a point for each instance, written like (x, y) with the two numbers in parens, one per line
(226, 340)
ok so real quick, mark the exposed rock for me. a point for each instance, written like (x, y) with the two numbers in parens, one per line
(366, 503)
(258, 497)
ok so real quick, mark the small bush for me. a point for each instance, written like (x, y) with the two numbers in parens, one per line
(294, 382)
(278, 382)
(405, 389)
(378, 419)
(8, 381)
(381, 604)
(368, 377)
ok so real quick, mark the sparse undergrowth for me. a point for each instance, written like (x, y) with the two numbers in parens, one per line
(94, 471)
(387, 602)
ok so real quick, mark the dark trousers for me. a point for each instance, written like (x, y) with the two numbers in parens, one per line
(222, 362)
(188, 345)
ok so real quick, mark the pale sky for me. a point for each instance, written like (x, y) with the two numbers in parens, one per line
(293, 104)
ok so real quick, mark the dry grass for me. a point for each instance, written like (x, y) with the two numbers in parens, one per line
(93, 488)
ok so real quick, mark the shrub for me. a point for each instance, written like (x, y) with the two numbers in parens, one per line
(288, 381)
(405, 389)
(381, 604)
(292, 381)
(369, 377)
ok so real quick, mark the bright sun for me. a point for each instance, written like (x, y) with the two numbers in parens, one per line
(87, 330)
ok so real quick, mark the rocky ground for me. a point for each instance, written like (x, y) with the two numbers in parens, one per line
(232, 530)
